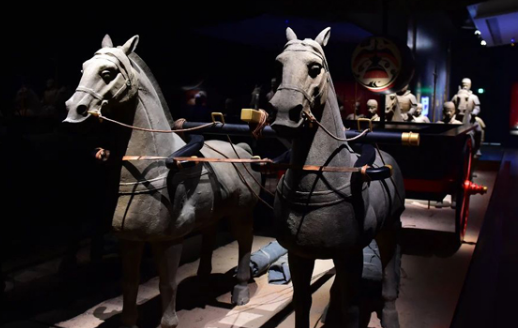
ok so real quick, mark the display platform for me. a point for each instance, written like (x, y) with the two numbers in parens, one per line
(433, 273)
(490, 288)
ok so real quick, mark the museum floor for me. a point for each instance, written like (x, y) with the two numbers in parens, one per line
(434, 272)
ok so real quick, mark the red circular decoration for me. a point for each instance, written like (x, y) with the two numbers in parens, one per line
(382, 65)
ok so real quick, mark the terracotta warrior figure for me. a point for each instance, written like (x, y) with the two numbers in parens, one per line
(448, 114)
(467, 105)
(372, 108)
(407, 102)
(418, 117)
(356, 114)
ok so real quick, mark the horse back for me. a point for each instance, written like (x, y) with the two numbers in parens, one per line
(237, 183)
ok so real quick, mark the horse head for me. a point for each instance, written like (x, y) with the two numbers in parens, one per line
(108, 79)
(392, 108)
(304, 82)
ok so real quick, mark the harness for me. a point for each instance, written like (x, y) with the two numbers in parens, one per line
(127, 85)
(317, 51)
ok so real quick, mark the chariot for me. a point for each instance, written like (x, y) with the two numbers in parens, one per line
(416, 147)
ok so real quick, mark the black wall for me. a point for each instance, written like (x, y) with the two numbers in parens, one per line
(494, 69)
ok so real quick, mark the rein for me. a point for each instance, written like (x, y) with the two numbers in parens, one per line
(97, 113)
(312, 119)
(269, 162)
(266, 162)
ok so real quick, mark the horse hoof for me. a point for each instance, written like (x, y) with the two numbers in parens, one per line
(389, 316)
(169, 321)
(240, 295)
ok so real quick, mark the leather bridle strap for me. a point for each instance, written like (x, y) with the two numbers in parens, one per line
(90, 92)
(268, 163)
(297, 89)
(126, 74)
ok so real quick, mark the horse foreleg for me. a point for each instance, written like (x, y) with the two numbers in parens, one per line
(301, 272)
(207, 247)
(242, 230)
(348, 279)
(205, 266)
(391, 260)
(167, 256)
(131, 255)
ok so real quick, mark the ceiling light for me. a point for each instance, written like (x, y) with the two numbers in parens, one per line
(483, 42)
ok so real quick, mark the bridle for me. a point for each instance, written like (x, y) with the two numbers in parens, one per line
(317, 52)
(307, 114)
(127, 85)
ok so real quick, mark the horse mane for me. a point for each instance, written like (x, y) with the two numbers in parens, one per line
(143, 67)
(334, 100)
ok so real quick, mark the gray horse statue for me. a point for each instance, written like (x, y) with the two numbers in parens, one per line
(330, 215)
(393, 109)
(147, 201)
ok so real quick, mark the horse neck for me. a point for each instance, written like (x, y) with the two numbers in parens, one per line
(145, 111)
(319, 148)
(149, 114)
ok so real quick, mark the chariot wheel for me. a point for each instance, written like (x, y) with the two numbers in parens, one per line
(463, 187)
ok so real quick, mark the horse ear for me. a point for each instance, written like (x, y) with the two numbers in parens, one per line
(323, 36)
(107, 42)
(130, 45)
(290, 35)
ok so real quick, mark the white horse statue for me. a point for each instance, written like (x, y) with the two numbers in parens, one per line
(330, 215)
(149, 202)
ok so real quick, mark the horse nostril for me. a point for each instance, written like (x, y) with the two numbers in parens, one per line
(82, 110)
(294, 113)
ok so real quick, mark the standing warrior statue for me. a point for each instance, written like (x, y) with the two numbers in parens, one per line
(408, 103)
(466, 103)
(400, 106)
(467, 107)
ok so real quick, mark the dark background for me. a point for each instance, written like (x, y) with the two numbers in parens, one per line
(48, 189)
(40, 42)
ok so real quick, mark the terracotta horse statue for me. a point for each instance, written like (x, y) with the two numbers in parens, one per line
(330, 215)
(147, 201)
(393, 109)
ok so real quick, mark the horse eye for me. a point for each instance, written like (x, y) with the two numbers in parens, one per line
(107, 75)
(314, 70)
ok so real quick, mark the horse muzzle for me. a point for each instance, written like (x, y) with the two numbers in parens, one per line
(74, 117)
(288, 116)
(78, 111)
(286, 127)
